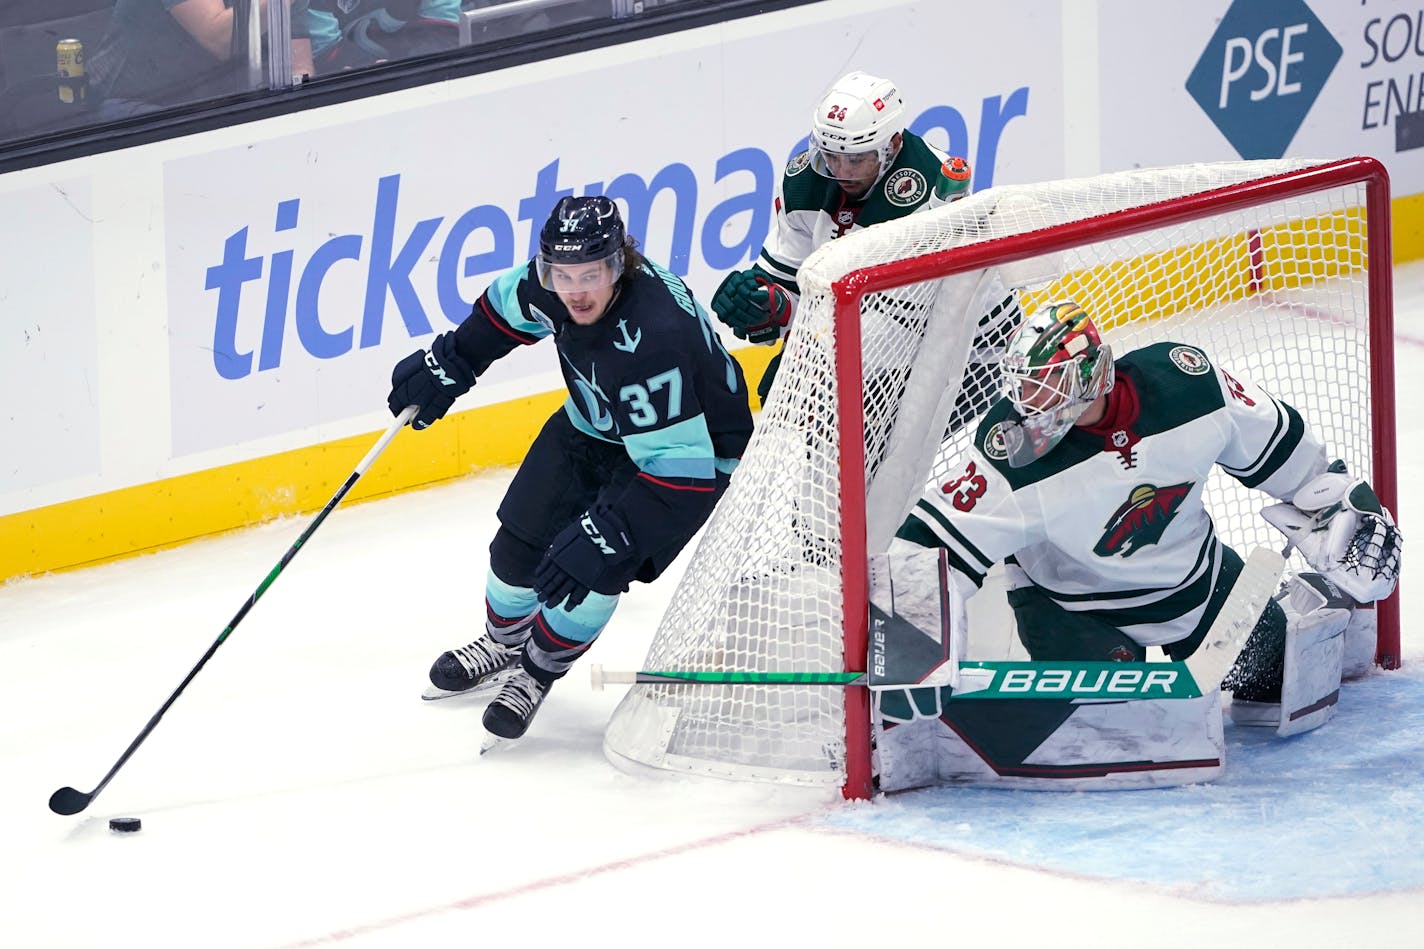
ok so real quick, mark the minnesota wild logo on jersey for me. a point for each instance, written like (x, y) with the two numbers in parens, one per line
(1141, 519)
(906, 187)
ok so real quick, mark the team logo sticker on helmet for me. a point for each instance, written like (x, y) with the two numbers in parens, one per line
(800, 163)
(994, 446)
(1190, 360)
(906, 187)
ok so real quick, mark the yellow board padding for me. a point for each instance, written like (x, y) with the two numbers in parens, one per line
(174, 511)
(1222, 270)
(1407, 228)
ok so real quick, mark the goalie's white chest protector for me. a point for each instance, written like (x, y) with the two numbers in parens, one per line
(1113, 520)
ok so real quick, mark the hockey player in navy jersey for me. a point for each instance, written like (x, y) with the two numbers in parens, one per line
(862, 166)
(618, 480)
(1087, 479)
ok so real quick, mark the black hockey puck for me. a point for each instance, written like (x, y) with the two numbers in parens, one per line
(125, 825)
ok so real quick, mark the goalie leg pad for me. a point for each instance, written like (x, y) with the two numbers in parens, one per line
(1055, 745)
(1317, 614)
(1361, 642)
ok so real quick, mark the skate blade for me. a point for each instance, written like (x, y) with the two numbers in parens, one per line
(493, 744)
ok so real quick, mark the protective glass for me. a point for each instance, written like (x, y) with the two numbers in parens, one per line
(845, 166)
(590, 275)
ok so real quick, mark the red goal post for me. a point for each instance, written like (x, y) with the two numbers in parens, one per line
(1281, 269)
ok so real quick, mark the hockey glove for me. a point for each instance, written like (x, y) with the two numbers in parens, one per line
(432, 379)
(595, 552)
(756, 308)
(1344, 532)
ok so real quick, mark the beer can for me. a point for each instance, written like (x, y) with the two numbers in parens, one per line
(69, 57)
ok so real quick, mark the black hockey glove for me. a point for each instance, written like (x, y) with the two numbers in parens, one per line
(432, 379)
(595, 552)
(756, 308)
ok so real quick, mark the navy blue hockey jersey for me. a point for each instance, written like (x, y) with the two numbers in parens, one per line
(651, 375)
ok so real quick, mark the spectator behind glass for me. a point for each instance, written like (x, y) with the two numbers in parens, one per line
(162, 53)
(349, 34)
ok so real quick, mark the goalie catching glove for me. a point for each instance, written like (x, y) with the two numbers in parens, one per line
(593, 553)
(757, 308)
(1343, 531)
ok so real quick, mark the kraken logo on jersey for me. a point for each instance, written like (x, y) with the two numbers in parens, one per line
(595, 401)
(543, 318)
(1141, 519)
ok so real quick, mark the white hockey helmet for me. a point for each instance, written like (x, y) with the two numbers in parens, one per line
(861, 115)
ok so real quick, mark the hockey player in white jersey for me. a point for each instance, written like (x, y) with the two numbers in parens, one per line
(862, 167)
(1087, 480)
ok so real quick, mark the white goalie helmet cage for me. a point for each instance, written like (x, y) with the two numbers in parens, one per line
(861, 113)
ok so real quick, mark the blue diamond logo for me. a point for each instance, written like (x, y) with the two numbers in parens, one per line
(1261, 73)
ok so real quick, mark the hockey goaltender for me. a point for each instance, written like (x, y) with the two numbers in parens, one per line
(1085, 478)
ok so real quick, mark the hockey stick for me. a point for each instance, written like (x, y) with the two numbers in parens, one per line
(1256, 584)
(600, 677)
(68, 800)
(1117, 681)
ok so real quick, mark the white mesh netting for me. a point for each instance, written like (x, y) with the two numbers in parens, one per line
(1275, 291)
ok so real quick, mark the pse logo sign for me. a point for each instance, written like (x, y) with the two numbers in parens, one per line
(1261, 73)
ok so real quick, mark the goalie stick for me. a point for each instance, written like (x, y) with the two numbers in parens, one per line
(1257, 583)
(1116, 681)
(67, 800)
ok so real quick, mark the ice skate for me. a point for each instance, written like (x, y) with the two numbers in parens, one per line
(509, 715)
(476, 669)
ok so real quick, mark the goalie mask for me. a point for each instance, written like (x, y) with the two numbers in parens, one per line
(1055, 366)
(853, 130)
(581, 231)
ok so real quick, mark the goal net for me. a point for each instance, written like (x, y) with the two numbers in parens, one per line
(1280, 270)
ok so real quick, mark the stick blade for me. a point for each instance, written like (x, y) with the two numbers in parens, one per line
(68, 801)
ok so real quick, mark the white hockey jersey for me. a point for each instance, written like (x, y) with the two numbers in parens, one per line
(1111, 520)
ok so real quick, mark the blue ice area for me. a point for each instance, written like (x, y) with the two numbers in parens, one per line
(1335, 812)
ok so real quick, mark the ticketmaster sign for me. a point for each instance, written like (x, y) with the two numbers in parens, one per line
(1261, 72)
